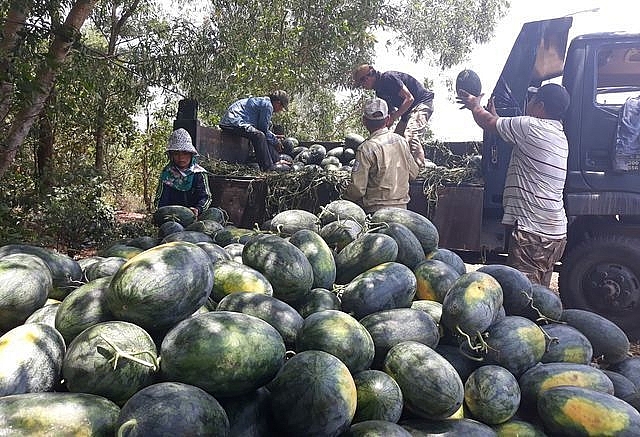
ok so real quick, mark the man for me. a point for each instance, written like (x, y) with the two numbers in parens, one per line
(251, 118)
(383, 164)
(532, 197)
(411, 104)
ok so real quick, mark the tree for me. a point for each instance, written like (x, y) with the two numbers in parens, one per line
(64, 38)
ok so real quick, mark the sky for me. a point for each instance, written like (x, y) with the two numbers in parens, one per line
(452, 124)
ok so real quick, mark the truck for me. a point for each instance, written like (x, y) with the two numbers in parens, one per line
(600, 268)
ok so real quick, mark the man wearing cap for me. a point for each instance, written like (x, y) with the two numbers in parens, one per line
(532, 197)
(383, 165)
(410, 103)
(182, 181)
(251, 118)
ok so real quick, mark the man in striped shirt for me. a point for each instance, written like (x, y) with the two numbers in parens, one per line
(532, 197)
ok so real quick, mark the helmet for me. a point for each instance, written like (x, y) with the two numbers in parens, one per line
(180, 141)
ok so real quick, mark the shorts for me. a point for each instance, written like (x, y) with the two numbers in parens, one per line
(533, 255)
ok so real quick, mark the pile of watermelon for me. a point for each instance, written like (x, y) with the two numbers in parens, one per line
(331, 324)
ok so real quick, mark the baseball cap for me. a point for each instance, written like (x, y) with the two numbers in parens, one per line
(555, 98)
(375, 109)
(180, 141)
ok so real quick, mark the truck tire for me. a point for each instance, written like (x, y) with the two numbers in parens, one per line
(602, 275)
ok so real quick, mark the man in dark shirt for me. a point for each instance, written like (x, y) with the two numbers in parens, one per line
(409, 102)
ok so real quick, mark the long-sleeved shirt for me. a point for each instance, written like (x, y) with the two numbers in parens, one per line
(199, 196)
(382, 171)
(252, 111)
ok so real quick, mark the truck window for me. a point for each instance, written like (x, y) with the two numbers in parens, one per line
(618, 74)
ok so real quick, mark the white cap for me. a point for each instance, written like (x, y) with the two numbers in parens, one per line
(180, 141)
(375, 109)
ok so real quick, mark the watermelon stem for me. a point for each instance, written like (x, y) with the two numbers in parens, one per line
(126, 426)
(541, 317)
(119, 353)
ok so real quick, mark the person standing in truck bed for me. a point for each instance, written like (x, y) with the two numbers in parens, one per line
(383, 164)
(251, 118)
(533, 190)
(182, 181)
(409, 102)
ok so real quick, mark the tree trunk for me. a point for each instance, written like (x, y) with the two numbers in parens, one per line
(8, 42)
(44, 81)
(44, 152)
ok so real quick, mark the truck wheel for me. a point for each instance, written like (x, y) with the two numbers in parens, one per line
(602, 275)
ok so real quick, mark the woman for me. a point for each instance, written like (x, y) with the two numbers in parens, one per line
(182, 181)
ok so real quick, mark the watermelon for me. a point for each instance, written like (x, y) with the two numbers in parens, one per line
(161, 286)
(610, 343)
(450, 427)
(224, 353)
(410, 251)
(516, 287)
(340, 233)
(120, 250)
(624, 388)
(471, 304)
(376, 428)
(434, 278)
(421, 226)
(545, 306)
(461, 362)
(25, 283)
(30, 359)
(248, 414)
(283, 264)
(379, 397)
(112, 359)
(46, 314)
(313, 395)
(83, 307)
(449, 257)
(339, 334)
(544, 376)
(169, 228)
(566, 344)
(386, 286)
(66, 273)
(316, 250)
(516, 427)
(339, 210)
(492, 394)
(58, 414)
(173, 213)
(393, 326)
(469, 81)
(232, 234)
(105, 267)
(172, 408)
(430, 385)
(232, 277)
(579, 411)
(216, 214)
(515, 343)
(629, 367)
(431, 307)
(367, 251)
(287, 223)
(208, 227)
(215, 252)
(353, 140)
(188, 236)
(318, 299)
(278, 314)
(143, 242)
(234, 250)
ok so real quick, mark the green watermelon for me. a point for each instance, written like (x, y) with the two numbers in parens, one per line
(30, 359)
(107, 266)
(174, 213)
(379, 397)
(224, 353)
(492, 394)
(516, 287)
(566, 344)
(421, 226)
(313, 395)
(287, 223)
(449, 257)
(410, 251)
(318, 299)
(249, 413)
(25, 283)
(376, 428)
(316, 250)
(339, 334)
(57, 414)
(172, 408)
(340, 210)
(232, 277)
(338, 234)
(112, 359)
(367, 251)
(430, 385)
(434, 279)
(161, 286)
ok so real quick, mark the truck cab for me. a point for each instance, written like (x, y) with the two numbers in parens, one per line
(600, 268)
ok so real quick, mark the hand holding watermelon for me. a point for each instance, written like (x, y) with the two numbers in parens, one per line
(467, 84)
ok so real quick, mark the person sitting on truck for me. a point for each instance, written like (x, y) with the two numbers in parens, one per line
(533, 190)
(251, 118)
(383, 164)
(182, 181)
(409, 101)
(627, 150)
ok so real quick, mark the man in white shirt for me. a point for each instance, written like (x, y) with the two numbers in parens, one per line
(533, 190)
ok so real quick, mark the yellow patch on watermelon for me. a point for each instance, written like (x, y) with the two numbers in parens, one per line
(347, 388)
(596, 419)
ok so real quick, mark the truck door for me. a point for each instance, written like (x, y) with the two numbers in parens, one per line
(537, 55)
